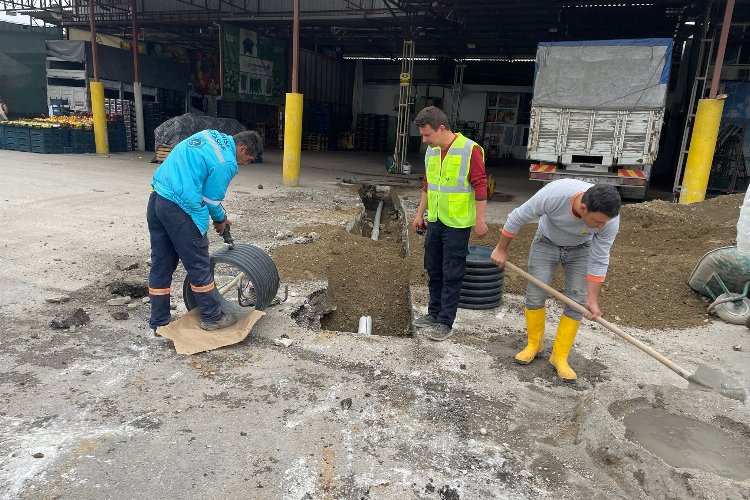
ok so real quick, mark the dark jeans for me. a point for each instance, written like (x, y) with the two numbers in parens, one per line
(175, 237)
(445, 251)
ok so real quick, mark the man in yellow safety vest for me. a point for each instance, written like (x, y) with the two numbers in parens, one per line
(455, 196)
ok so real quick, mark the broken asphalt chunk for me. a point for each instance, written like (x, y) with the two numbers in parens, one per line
(70, 318)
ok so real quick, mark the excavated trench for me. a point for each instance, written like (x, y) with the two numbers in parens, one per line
(392, 226)
(352, 274)
(376, 284)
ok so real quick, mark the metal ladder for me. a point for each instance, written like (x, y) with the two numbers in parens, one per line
(698, 90)
(456, 91)
(402, 123)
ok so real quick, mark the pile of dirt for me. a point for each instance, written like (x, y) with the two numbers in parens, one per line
(657, 248)
(365, 277)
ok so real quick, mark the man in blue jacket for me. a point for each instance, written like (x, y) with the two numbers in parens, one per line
(186, 189)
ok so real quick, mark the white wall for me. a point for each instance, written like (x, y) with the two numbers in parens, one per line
(380, 98)
(473, 104)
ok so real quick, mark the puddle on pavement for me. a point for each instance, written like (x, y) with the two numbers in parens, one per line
(688, 443)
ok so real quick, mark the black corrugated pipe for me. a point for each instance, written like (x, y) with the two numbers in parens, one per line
(482, 287)
(257, 266)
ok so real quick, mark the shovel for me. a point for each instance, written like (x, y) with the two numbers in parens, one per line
(704, 377)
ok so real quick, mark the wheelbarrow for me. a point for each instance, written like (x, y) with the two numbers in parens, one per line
(724, 275)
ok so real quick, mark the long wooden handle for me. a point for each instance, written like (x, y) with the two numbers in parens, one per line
(606, 324)
(223, 290)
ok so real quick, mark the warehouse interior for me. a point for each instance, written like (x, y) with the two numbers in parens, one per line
(473, 59)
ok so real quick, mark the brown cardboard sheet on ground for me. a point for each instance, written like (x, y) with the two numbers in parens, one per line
(190, 338)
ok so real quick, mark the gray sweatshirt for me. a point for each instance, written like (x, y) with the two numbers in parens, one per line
(553, 206)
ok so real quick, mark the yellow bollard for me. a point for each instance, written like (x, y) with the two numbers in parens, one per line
(292, 139)
(701, 153)
(100, 117)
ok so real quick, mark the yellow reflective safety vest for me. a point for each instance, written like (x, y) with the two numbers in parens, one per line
(450, 196)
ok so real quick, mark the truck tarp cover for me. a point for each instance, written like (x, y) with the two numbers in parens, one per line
(606, 74)
(181, 127)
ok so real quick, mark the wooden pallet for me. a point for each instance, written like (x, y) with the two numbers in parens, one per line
(314, 142)
(162, 152)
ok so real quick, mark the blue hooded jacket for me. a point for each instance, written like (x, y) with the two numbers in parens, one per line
(196, 175)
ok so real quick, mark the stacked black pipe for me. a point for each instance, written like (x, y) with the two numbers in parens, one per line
(482, 287)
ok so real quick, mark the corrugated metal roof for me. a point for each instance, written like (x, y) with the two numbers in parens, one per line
(239, 7)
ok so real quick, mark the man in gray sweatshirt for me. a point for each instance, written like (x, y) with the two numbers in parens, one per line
(578, 223)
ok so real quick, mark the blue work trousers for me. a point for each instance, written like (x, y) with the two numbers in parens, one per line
(174, 237)
(445, 251)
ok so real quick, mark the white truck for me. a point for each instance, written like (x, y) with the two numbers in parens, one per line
(597, 111)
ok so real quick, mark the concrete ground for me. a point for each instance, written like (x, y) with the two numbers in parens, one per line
(106, 410)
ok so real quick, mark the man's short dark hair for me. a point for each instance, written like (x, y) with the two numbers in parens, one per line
(602, 198)
(251, 140)
(432, 116)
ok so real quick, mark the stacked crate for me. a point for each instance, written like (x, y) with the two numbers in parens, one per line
(17, 138)
(118, 142)
(316, 118)
(60, 107)
(80, 140)
(9, 137)
(47, 140)
(126, 109)
(152, 118)
(371, 133)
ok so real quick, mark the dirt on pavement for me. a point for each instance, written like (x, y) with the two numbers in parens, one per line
(365, 277)
(656, 250)
(658, 246)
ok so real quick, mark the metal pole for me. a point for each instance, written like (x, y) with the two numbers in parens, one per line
(97, 94)
(722, 47)
(92, 28)
(134, 29)
(293, 116)
(137, 87)
(295, 46)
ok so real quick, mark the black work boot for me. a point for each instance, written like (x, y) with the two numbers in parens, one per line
(224, 321)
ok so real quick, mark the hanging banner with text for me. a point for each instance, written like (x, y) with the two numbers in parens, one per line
(254, 67)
